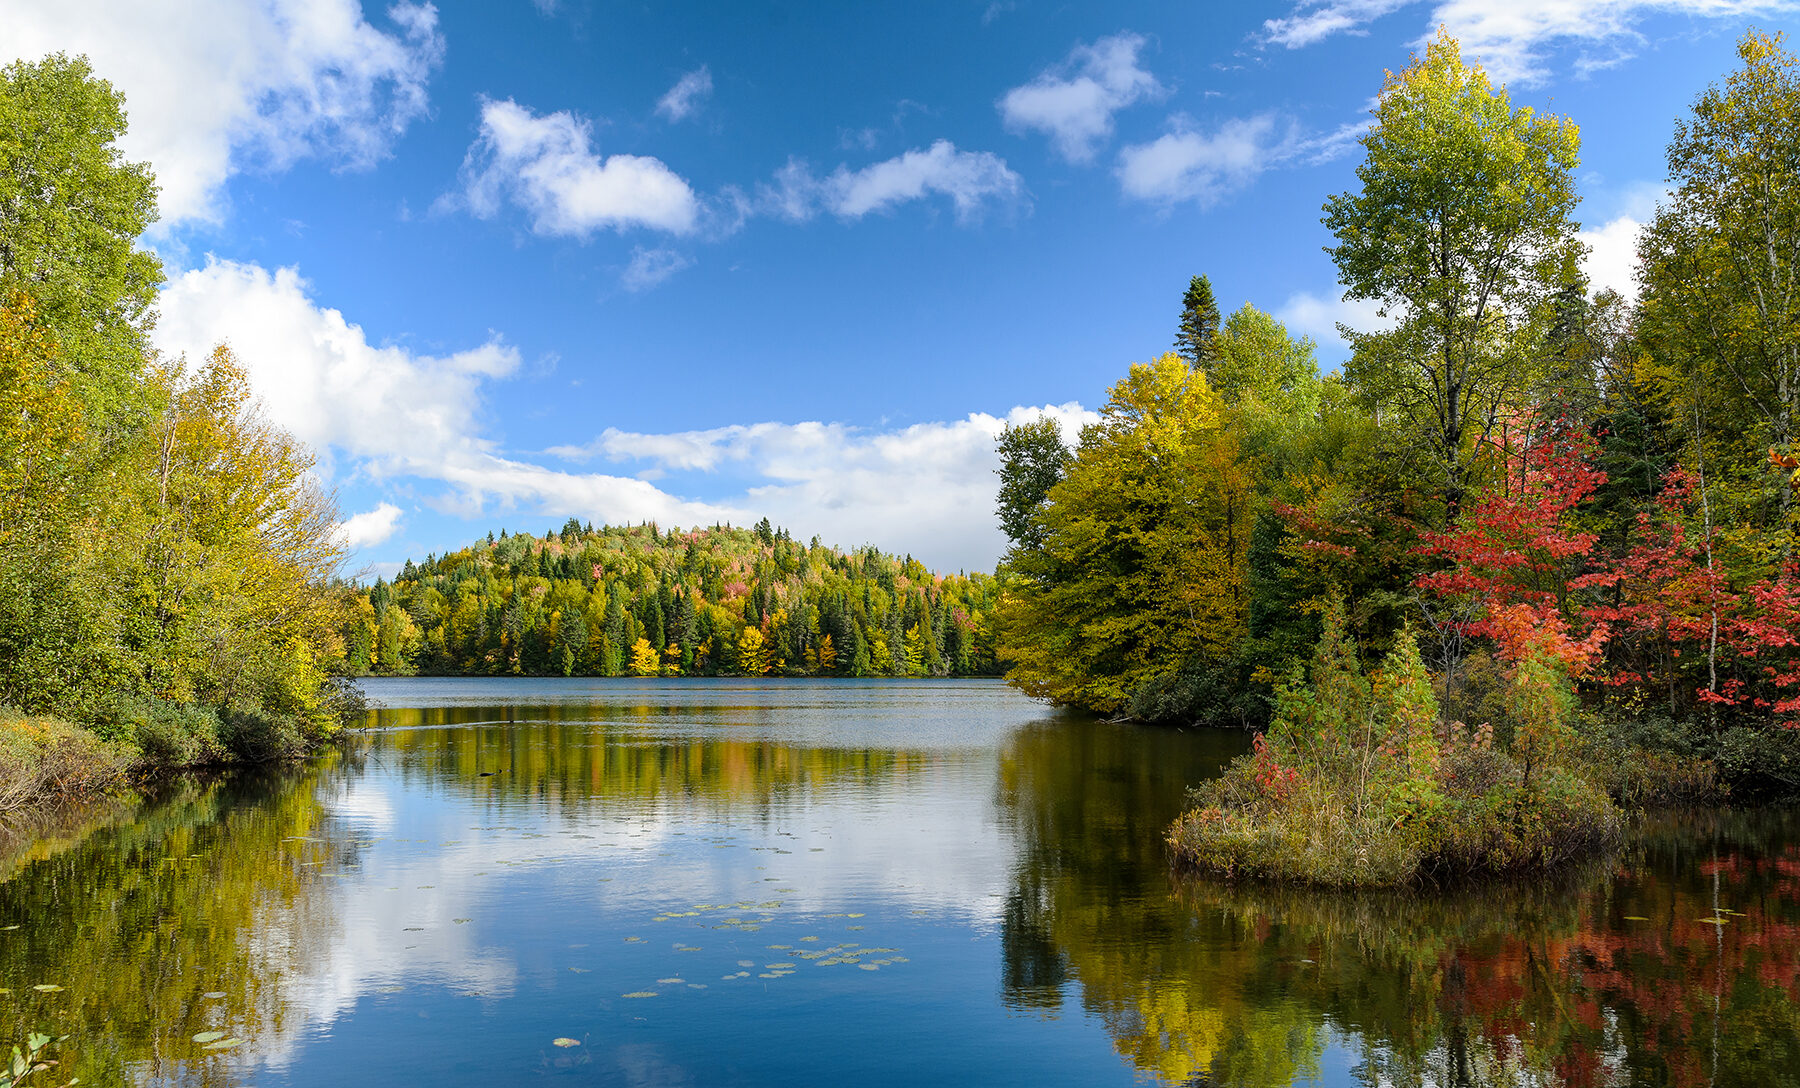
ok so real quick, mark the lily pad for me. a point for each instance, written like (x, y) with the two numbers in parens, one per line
(224, 1044)
(565, 1041)
(209, 1037)
(47, 988)
(213, 995)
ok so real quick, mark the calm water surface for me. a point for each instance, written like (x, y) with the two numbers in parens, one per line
(670, 883)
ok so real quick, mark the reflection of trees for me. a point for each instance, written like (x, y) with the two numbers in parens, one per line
(1178, 990)
(1547, 984)
(142, 919)
(589, 765)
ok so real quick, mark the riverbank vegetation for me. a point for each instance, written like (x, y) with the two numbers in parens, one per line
(639, 601)
(167, 557)
(1529, 555)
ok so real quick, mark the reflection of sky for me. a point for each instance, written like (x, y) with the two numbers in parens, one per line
(477, 903)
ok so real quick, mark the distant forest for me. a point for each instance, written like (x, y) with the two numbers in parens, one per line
(638, 601)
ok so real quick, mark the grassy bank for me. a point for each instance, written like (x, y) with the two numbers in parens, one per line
(1360, 782)
(47, 759)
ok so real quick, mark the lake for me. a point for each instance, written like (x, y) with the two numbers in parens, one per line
(863, 883)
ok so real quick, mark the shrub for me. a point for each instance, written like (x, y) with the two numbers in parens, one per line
(261, 736)
(46, 757)
(1357, 783)
(171, 734)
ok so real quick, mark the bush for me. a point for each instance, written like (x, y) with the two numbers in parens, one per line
(166, 734)
(261, 736)
(1357, 784)
(42, 758)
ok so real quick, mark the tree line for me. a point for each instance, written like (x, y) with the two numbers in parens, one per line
(639, 601)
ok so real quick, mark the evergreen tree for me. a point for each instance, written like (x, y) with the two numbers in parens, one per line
(1197, 340)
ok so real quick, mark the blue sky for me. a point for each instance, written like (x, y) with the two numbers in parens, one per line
(502, 264)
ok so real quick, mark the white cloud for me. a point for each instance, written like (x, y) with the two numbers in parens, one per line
(1185, 164)
(650, 267)
(215, 87)
(387, 411)
(683, 100)
(547, 166)
(1611, 260)
(927, 489)
(1510, 39)
(382, 413)
(969, 178)
(370, 527)
(1307, 314)
(1074, 103)
(1313, 21)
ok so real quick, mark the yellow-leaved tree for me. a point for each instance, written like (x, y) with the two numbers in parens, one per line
(237, 545)
(1141, 569)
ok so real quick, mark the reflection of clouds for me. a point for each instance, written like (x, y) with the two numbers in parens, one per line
(421, 846)
(364, 810)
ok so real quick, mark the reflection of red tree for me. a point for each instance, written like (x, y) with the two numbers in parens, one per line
(1655, 989)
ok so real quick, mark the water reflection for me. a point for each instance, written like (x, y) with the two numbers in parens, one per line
(1677, 964)
(885, 884)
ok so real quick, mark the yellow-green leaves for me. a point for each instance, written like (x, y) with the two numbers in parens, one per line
(1463, 232)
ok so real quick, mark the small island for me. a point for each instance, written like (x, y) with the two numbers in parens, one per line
(1527, 562)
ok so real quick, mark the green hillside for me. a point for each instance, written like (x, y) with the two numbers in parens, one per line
(637, 601)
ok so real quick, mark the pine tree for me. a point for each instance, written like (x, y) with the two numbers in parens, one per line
(1198, 338)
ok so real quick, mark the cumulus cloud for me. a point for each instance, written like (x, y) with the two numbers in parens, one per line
(215, 87)
(928, 489)
(683, 100)
(547, 166)
(370, 527)
(971, 179)
(385, 410)
(1510, 39)
(1611, 260)
(1188, 165)
(383, 414)
(1074, 102)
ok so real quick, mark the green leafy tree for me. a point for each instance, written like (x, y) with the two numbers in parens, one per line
(71, 210)
(1462, 232)
(1721, 276)
(1032, 460)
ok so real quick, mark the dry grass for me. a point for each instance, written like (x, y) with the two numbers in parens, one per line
(46, 758)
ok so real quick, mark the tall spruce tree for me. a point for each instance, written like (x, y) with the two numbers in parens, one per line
(1198, 337)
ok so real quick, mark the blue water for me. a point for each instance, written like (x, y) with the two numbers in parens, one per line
(839, 883)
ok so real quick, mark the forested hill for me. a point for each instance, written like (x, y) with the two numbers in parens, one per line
(637, 601)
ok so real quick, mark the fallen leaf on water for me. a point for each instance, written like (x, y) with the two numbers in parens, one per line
(209, 1036)
(565, 1041)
